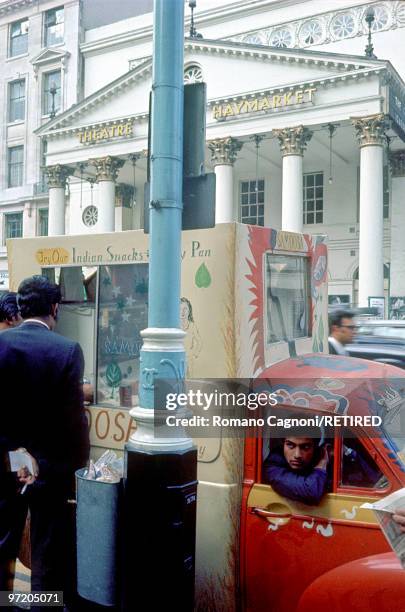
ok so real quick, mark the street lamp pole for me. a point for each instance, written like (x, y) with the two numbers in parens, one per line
(160, 472)
(53, 92)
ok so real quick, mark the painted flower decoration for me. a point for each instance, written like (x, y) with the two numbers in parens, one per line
(319, 264)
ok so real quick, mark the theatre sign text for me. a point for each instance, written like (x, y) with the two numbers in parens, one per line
(119, 129)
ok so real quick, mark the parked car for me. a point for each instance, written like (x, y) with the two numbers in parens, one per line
(380, 340)
(388, 329)
(392, 354)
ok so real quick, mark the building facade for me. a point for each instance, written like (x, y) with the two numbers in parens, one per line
(304, 131)
(40, 68)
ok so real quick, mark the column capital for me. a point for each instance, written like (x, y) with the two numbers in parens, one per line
(107, 167)
(397, 163)
(224, 150)
(293, 141)
(57, 175)
(370, 130)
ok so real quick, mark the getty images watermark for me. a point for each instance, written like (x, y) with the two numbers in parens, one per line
(239, 408)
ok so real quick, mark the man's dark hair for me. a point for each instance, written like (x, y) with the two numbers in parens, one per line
(335, 317)
(36, 296)
(8, 307)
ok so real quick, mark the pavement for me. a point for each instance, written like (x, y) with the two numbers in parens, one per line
(22, 582)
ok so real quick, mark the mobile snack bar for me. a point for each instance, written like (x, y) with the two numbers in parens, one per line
(251, 297)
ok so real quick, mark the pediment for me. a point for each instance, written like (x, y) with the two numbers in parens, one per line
(231, 70)
(48, 56)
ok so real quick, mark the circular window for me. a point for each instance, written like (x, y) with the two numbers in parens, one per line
(343, 26)
(311, 32)
(254, 39)
(381, 18)
(281, 38)
(90, 216)
(193, 74)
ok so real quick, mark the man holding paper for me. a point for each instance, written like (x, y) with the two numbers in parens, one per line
(42, 418)
(399, 518)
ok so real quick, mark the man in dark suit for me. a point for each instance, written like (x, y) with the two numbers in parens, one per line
(341, 331)
(42, 411)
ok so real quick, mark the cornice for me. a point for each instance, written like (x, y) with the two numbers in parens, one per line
(49, 55)
(77, 129)
(264, 53)
(304, 56)
(12, 6)
(117, 40)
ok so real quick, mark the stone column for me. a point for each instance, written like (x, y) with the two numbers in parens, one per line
(223, 156)
(293, 142)
(56, 176)
(106, 173)
(28, 221)
(397, 256)
(370, 132)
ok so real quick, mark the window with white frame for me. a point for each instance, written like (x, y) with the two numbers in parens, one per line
(54, 26)
(51, 92)
(13, 225)
(18, 43)
(251, 202)
(15, 172)
(313, 198)
(42, 222)
(16, 100)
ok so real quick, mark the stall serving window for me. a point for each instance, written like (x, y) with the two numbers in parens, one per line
(287, 297)
(104, 308)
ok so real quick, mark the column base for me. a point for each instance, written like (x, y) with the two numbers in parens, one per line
(143, 438)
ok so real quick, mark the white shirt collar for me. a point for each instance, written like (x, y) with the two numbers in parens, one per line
(338, 346)
(36, 321)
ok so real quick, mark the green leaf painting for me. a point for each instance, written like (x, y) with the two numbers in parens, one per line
(203, 277)
(113, 376)
(321, 332)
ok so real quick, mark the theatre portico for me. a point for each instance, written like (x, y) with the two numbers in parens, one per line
(298, 140)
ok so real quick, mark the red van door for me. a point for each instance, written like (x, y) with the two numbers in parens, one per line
(287, 544)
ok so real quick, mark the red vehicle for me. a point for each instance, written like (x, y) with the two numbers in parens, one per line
(333, 556)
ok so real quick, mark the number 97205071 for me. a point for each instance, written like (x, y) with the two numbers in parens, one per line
(44, 598)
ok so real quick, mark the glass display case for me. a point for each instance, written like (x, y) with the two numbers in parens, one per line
(104, 308)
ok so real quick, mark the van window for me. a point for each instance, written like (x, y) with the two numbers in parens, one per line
(358, 468)
(287, 298)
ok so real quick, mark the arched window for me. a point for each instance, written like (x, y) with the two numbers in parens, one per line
(386, 272)
(193, 74)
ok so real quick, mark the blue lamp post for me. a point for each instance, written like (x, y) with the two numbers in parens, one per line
(160, 473)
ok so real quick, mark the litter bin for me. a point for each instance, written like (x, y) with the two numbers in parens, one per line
(98, 522)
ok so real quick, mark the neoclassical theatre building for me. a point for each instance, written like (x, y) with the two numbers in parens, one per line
(305, 129)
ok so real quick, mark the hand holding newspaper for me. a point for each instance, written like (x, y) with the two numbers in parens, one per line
(19, 460)
(384, 509)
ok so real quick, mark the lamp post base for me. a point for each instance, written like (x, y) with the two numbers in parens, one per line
(160, 494)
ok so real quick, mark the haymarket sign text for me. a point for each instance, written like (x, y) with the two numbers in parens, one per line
(264, 103)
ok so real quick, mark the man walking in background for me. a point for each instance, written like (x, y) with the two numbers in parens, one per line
(42, 411)
(341, 331)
